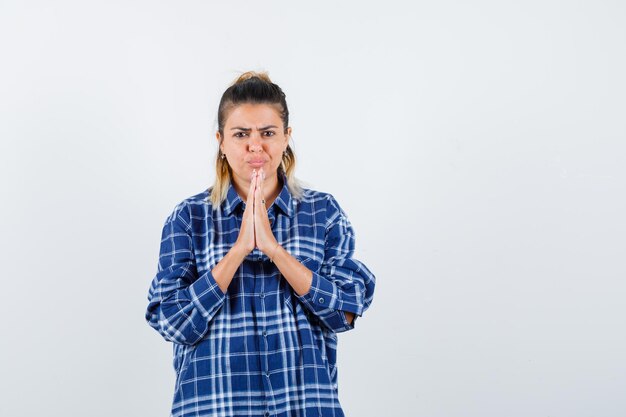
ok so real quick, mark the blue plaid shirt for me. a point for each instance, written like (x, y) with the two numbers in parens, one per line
(259, 349)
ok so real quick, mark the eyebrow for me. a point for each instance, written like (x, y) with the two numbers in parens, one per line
(247, 129)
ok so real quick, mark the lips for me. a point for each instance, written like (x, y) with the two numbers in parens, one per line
(256, 163)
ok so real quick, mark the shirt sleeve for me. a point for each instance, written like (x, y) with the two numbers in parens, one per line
(342, 283)
(181, 304)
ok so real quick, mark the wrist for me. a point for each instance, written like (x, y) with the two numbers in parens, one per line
(239, 251)
(274, 252)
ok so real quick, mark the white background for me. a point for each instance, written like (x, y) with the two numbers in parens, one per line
(477, 147)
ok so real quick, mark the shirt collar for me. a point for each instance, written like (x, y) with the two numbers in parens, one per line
(283, 201)
(232, 200)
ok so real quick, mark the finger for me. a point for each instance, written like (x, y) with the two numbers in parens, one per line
(250, 199)
(258, 194)
(260, 178)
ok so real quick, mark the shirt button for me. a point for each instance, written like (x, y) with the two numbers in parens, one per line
(267, 374)
(262, 295)
(264, 333)
(321, 300)
(267, 413)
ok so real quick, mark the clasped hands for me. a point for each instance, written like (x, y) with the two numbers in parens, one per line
(256, 231)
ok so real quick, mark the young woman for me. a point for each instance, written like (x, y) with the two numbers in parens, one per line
(256, 275)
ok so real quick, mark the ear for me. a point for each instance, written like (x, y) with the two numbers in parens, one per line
(219, 140)
(287, 136)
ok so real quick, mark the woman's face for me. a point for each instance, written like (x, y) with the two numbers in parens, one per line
(254, 138)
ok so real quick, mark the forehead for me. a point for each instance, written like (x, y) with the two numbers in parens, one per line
(253, 114)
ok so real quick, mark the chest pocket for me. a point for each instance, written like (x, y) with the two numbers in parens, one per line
(301, 237)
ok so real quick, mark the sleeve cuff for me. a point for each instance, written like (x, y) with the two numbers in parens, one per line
(321, 295)
(206, 295)
(348, 325)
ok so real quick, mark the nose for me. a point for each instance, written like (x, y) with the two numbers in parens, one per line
(255, 143)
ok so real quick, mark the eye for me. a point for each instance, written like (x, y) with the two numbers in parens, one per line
(269, 133)
(239, 134)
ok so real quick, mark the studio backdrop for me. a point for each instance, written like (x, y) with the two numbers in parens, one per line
(477, 148)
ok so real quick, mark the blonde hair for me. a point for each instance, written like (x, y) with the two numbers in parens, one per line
(252, 87)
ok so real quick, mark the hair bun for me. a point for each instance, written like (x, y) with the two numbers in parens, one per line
(253, 74)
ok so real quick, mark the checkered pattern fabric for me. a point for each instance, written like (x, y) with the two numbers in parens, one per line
(259, 349)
